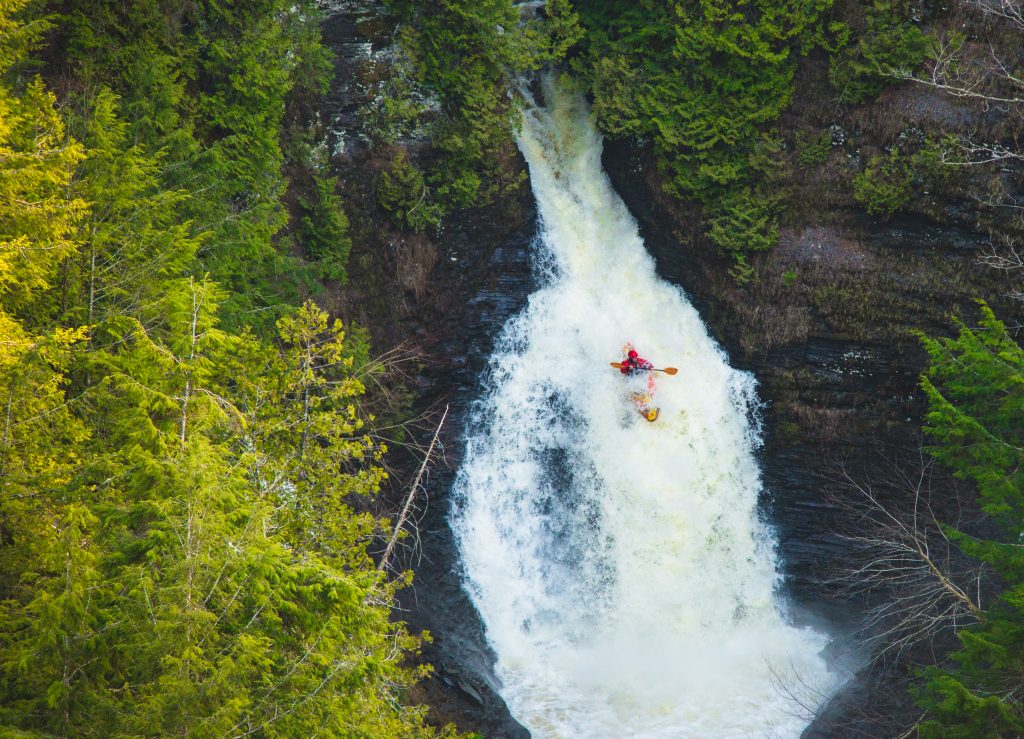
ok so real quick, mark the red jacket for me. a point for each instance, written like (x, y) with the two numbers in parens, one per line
(632, 365)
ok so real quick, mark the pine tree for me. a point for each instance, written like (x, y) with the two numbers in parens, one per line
(975, 388)
(243, 607)
(37, 218)
(48, 570)
(135, 237)
(179, 552)
(315, 452)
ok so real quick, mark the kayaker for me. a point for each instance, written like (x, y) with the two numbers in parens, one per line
(635, 364)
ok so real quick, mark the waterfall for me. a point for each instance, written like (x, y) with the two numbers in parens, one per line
(626, 582)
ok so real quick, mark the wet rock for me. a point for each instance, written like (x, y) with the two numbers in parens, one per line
(470, 691)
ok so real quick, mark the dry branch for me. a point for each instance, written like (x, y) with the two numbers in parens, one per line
(411, 497)
(928, 585)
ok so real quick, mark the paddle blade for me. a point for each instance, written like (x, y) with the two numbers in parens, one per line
(617, 365)
(670, 370)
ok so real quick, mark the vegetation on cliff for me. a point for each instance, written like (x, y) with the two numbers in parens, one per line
(467, 56)
(974, 384)
(703, 86)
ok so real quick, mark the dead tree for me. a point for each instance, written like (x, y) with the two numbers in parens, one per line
(907, 560)
(409, 506)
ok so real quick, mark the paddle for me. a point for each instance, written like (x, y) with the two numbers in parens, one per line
(666, 370)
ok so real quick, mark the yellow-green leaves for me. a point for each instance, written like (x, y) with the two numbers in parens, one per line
(38, 219)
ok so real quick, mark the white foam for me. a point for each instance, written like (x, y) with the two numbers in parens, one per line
(626, 582)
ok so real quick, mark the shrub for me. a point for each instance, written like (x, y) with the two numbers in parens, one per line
(742, 222)
(930, 165)
(813, 148)
(891, 44)
(885, 185)
(323, 230)
(704, 83)
(402, 191)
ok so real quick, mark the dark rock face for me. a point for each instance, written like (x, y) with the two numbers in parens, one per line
(486, 284)
(444, 297)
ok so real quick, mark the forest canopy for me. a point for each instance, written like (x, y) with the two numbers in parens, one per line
(184, 443)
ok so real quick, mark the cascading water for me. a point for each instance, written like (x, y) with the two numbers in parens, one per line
(626, 583)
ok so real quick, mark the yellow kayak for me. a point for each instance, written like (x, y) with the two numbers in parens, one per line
(642, 401)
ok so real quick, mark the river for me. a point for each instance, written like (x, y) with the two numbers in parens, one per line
(626, 581)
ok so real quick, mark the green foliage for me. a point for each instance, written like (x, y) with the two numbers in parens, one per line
(961, 714)
(813, 148)
(135, 228)
(975, 389)
(179, 550)
(39, 435)
(396, 108)
(208, 85)
(323, 230)
(885, 185)
(402, 191)
(37, 216)
(616, 86)
(702, 82)
(741, 272)
(469, 53)
(929, 162)
(309, 431)
(740, 222)
(18, 37)
(889, 46)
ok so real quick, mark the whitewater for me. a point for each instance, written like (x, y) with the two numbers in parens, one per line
(628, 586)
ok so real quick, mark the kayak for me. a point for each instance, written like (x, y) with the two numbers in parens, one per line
(642, 401)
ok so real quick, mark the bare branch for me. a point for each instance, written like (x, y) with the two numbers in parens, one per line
(968, 152)
(928, 585)
(403, 516)
(1009, 257)
(1010, 10)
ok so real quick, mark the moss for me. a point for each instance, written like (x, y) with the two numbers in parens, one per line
(789, 428)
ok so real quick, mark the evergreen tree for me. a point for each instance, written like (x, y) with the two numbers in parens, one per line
(47, 559)
(37, 218)
(702, 82)
(975, 388)
(135, 237)
(468, 53)
(313, 431)
(179, 552)
(241, 610)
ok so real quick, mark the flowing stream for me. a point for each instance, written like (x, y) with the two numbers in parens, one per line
(625, 579)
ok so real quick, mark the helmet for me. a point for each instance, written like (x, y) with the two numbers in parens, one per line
(633, 354)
